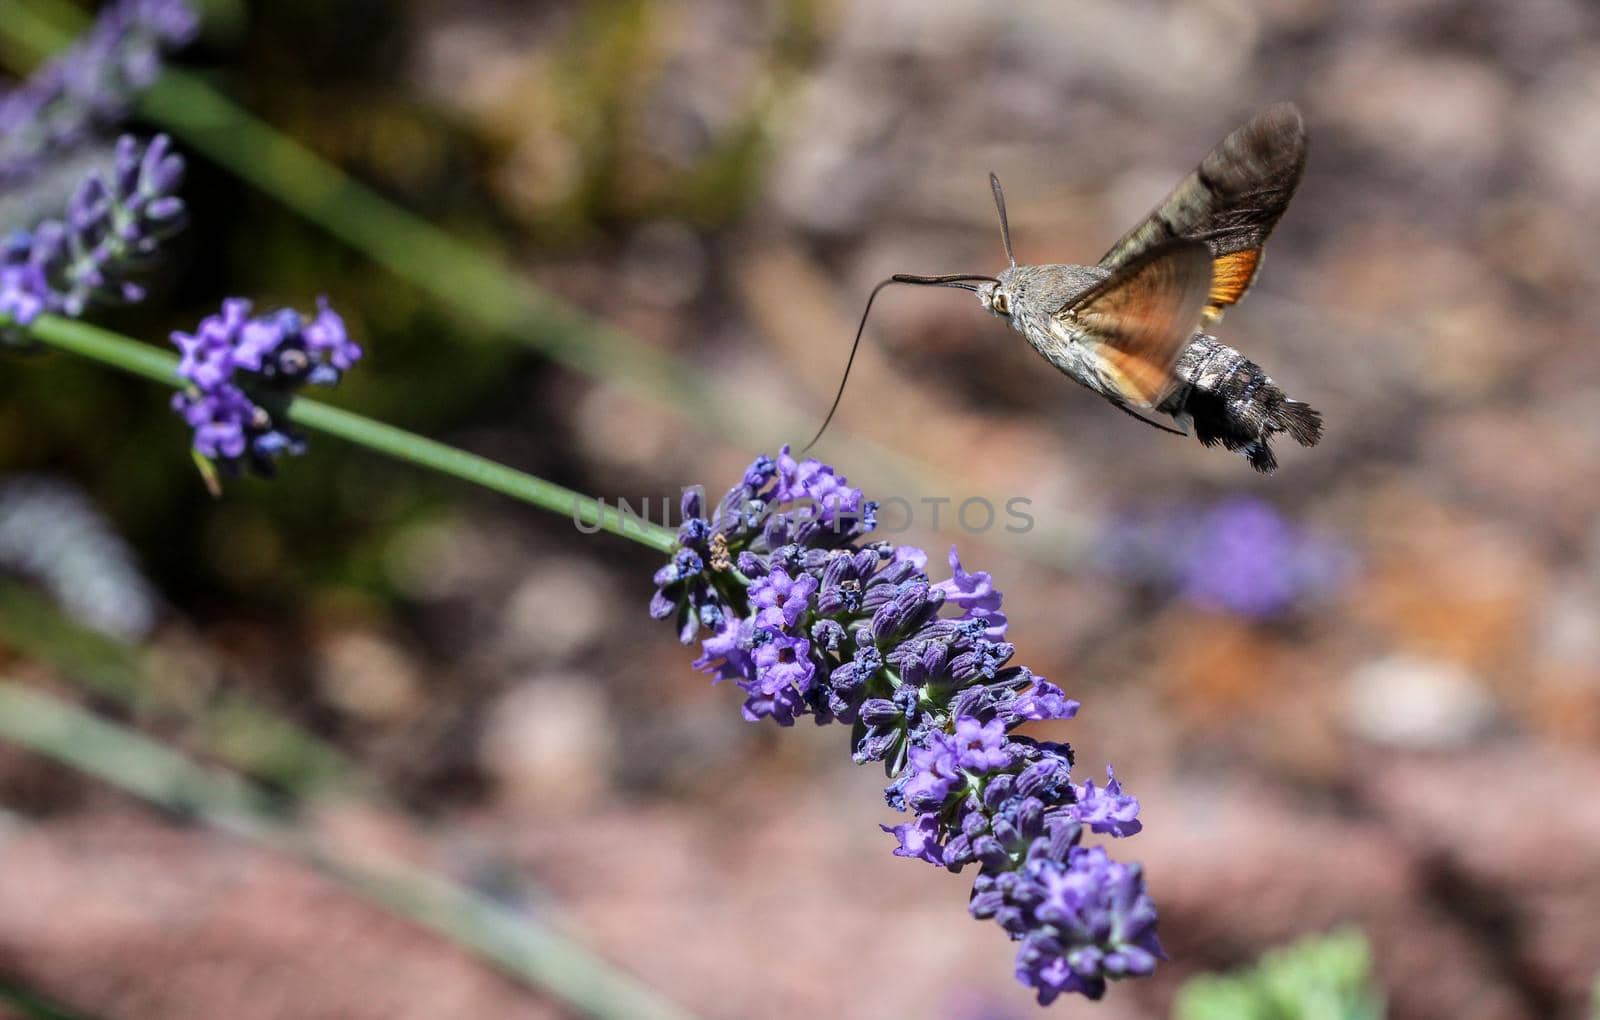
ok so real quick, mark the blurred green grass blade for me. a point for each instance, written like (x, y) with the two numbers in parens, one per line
(132, 762)
(33, 37)
(522, 946)
(161, 366)
(32, 625)
(234, 728)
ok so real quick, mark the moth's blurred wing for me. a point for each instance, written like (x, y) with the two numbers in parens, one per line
(1231, 202)
(1137, 321)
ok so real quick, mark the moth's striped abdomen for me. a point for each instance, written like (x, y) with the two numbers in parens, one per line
(1230, 401)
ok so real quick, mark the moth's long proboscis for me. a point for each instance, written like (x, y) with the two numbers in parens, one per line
(963, 281)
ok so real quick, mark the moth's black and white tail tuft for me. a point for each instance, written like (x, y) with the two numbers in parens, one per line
(1231, 402)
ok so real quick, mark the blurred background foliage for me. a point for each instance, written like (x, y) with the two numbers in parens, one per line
(1321, 978)
(1366, 690)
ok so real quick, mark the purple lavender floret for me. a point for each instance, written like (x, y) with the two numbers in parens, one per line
(1107, 810)
(115, 223)
(918, 839)
(809, 618)
(89, 88)
(239, 366)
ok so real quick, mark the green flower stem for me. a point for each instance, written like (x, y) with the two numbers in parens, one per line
(528, 949)
(160, 366)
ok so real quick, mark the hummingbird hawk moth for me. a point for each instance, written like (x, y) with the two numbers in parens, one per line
(1133, 328)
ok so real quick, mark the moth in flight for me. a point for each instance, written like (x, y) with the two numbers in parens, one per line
(1134, 327)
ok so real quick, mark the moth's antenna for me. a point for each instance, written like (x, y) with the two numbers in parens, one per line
(963, 281)
(1000, 204)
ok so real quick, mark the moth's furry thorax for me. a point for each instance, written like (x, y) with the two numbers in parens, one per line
(1028, 295)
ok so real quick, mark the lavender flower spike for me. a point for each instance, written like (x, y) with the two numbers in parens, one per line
(88, 88)
(810, 619)
(233, 359)
(115, 224)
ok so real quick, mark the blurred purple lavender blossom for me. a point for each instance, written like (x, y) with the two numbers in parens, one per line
(89, 88)
(115, 223)
(233, 359)
(1239, 555)
(810, 619)
(45, 195)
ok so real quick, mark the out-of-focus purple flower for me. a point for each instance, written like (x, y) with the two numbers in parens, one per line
(45, 195)
(24, 290)
(115, 223)
(1240, 556)
(234, 358)
(811, 619)
(89, 88)
(1246, 558)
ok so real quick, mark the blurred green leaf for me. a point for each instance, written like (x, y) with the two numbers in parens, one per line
(1326, 977)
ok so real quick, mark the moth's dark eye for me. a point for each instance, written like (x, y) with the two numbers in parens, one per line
(1000, 303)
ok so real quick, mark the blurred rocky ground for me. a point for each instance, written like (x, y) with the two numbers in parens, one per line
(1405, 740)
